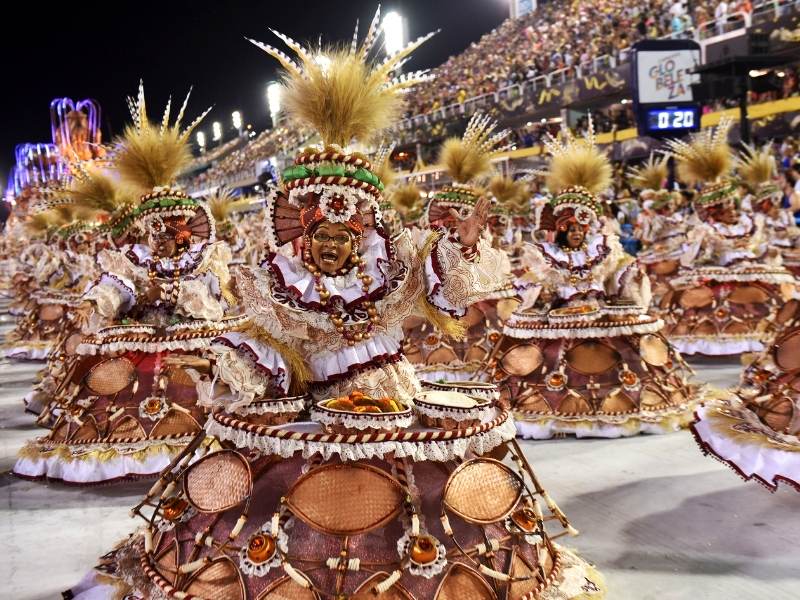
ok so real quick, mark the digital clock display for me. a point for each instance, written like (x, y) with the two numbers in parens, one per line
(672, 119)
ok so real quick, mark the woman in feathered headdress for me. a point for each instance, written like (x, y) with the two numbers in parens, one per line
(729, 288)
(358, 513)
(127, 404)
(582, 355)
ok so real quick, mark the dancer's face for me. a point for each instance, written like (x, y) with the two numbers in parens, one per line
(331, 246)
(575, 235)
(163, 245)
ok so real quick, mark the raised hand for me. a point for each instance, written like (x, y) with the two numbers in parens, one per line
(470, 229)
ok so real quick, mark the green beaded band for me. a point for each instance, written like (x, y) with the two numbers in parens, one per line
(153, 205)
(716, 195)
(331, 170)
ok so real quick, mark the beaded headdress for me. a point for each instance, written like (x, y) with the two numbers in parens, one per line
(467, 160)
(150, 157)
(649, 178)
(757, 170)
(348, 96)
(706, 160)
(579, 171)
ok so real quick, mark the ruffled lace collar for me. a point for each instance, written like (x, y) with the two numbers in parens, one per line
(292, 274)
(188, 261)
(742, 228)
(596, 249)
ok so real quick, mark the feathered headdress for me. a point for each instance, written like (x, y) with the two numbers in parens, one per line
(579, 171)
(649, 178)
(406, 200)
(757, 169)
(343, 93)
(348, 96)
(223, 205)
(706, 160)
(149, 157)
(467, 160)
(512, 196)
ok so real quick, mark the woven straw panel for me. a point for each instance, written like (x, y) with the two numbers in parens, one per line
(748, 294)
(787, 312)
(650, 397)
(592, 358)
(441, 356)
(618, 401)
(71, 345)
(87, 431)
(111, 376)
(219, 580)
(51, 312)
(787, 353)
(665, 267)
(218, 481)
(175, 422)
(521, 568)
(482, 491)
(654, 350)
(698, 297)
(777, 413)
(462, 583)
(167, 562)
(286, 589)
(60, 431)
(126, 427)
(365, 591)
(346, 499)
(522, 360)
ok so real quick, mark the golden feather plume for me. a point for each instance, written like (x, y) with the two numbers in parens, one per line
(41, 222)
(651, 175)
(96, 189)
(706, 157)
(406, 200)
(510, 194)
(577, 162)
(468, 158)
(382, 165)
(222, 204)
(339, 91)
(149, 155)
(756, 167)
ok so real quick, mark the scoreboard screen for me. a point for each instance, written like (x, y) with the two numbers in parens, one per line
(678, 120)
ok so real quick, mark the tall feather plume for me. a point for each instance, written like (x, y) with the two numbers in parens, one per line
(40, 223)
(349, 97)
(95, 189)
(577, 162)
(148, 156)
(406, 200)
(468, 158)
(706, 157)
(756, 167)
(222, 204)
(651, 175)
(510, 194)
(382, 166)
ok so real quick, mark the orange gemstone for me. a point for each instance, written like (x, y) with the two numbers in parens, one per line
(556, 379)
(424, 550)
(761, 377)
(493, 337)
(261, 548)
(524, 519)
(721, 314)
(152, 406)
(431, 340)
(629, 378)
(173, 508)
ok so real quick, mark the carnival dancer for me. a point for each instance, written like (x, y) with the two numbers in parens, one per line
(729, 288)
(582, 355)
(127, 406)
(390, 512)
(660, 225)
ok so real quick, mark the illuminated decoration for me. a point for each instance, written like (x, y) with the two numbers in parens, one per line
(394, 33)
(76, 128)
(37, 165)
(216, 131)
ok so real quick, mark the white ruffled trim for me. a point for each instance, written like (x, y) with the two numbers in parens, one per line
(268, 407)
(482, 412)
(583, 332)
(361, 422)
(768, 464)
(23, 352)
(325, 364)
(481, 392)
(718, 345)
(267, 359)
(86, 349)
(700, 275)
(439, 451)
(207, 325)
(597, 429)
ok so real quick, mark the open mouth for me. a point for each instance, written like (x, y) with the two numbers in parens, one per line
(329, 257)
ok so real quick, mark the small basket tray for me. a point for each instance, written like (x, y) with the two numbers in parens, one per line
(350, 422)
(451, 410)
(276, 411)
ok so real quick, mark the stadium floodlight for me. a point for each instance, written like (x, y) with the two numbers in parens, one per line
(216, 131)
(394, 32)
(274, 92)
(236, 117)
(201, 140)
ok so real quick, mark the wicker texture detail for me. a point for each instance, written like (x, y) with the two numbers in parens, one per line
(522, 360)
(654, 350)
(787, 352)
(87, 431)
(396, 592)
(346, 499)
(592, 358)
(167, 563)
(51, 312)
(126, 428)
(175, 424)
(520, 568)
(218, 481)
(111, 376)
(72, 344)
(778, 413)
(220, 580)
(287, 589)
(465, 491)
(462, 583)
(698, 297)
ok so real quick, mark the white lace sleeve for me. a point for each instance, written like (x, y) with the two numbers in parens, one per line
(197, 298)
(112, 295)
(458, 276)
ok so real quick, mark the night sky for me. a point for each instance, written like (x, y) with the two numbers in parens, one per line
(101, 49)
